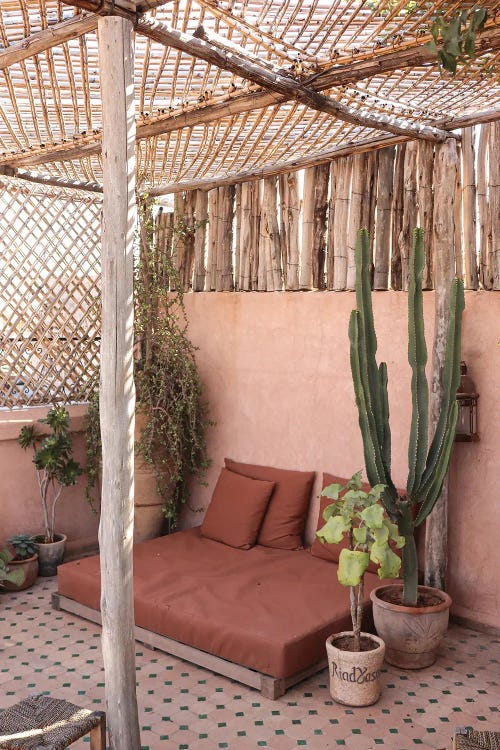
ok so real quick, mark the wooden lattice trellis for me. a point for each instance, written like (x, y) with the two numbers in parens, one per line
(49, 294)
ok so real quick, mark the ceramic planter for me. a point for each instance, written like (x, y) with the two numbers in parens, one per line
(30, 568)
(412, 635)
(50, 554)
(355, 675)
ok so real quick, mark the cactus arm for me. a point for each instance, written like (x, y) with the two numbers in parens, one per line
(390, 494)
(434, 488)
(373, 459)
(417, 357)
(451, 381)
(367, 336)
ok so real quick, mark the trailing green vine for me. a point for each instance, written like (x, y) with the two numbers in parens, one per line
(168, 385)
(454, 39)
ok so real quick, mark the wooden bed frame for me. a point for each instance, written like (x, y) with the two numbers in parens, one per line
(270, 687)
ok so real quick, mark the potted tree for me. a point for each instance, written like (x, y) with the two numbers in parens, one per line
(171, 416)
(55, 469)
(25, 558)
(410, 618)
(355, 658)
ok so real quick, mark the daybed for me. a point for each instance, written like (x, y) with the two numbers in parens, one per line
(259, 615)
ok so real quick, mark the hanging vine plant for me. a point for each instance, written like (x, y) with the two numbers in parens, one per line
(169, 392)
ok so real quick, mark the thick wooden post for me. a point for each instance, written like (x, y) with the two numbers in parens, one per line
(290, 212)
(200, 238)
(494, 195)
(117, 400)
(383, 220)
(469, 209)
(445, 172)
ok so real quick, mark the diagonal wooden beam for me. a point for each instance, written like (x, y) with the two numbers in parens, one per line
(50, 37)
(205, 48)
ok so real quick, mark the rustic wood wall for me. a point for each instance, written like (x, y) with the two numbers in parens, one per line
(292, 233)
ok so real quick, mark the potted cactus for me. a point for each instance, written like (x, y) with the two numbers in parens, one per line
(55, 469)
(418, 614)
(25, 558)
(355, 658)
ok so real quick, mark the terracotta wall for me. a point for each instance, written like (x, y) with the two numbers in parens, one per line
(20, 505)
(277, 375)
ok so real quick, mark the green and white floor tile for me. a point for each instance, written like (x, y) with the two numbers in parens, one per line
(183, 707)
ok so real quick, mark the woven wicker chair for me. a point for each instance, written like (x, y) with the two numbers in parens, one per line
(44, 723)
(469, 739)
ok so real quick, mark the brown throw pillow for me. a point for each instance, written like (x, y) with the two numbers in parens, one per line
(331, 552)
(285, 519)
(236, 510)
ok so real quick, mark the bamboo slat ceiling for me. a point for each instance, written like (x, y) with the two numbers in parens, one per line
(199, 122)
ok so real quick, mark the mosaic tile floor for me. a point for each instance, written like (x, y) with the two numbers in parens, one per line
(183, 707)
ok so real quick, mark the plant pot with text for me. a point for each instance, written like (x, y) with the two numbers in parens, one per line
(355, 675)
(50, 554)
(412, 634)
(355, 658)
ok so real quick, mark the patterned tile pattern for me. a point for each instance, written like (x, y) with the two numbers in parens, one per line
(183, 707)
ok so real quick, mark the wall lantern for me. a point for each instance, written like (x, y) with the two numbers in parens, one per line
(467, 408)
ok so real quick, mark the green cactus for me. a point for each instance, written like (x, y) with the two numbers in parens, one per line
(426, 468)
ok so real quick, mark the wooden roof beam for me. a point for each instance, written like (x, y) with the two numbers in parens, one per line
(203, 47)
(49, 37)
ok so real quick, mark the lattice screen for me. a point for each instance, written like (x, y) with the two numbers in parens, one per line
(49, 293)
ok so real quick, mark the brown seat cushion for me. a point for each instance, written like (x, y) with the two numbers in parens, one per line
(331, 552)
(285, 519)
(266, 609)
(236, 509)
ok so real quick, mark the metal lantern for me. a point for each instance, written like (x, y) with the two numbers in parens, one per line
(467, 408)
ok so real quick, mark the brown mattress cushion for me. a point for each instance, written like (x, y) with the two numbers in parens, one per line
(266, 609)
(236, 509)
(285, 519)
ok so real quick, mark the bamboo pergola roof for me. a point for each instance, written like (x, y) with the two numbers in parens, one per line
(227, 90)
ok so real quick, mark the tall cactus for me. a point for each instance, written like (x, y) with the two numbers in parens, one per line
(426, 468)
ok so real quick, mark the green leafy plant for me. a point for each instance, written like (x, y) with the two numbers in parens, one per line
(168, 385)
(55, 467)
(7, 575)
(454, 39)
(24, 546)
(360, 517)
(427, 469)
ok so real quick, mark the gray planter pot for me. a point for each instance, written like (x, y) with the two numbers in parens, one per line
(50, 555)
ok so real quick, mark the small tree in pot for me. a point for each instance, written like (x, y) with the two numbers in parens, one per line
(55, 470)
(356, 658)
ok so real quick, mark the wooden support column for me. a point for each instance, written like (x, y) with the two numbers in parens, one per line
(307, 229)
(341, 220)
(410, 214)
(355, 213)
(425, 165)
(494, 195)
(397, 217)
(330, 239)
(117, 400)
(200, 238)
(269, 246)
(225, 275)
(290, 212)
(471, 278)
(213, 230)
(249, 235)
(483, 211)
(445, 171)
(383, 220)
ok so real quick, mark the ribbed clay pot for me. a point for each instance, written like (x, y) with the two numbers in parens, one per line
(50, 554)
(412, 635)
(30, 568)
(355, 675)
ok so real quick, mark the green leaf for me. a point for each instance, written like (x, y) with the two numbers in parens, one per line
(331, 510)
(352, 567)
(373, 516)
(376, 491)
(394, 533)
(360, 534)
(389, 563)
(355, 482)
(332, 491)
(432, 46)
(333, 530)
(381, 535)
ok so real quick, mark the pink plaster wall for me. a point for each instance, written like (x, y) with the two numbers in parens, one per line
(20, 505)
(277, 376)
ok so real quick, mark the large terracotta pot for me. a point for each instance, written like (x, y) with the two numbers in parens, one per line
(30, 568)
(412, 635)
(355, 675)
(50, 554)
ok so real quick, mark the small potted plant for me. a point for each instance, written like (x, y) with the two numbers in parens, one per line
(56, 469)
(25, 558)
(9, 575)
(355, 658)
